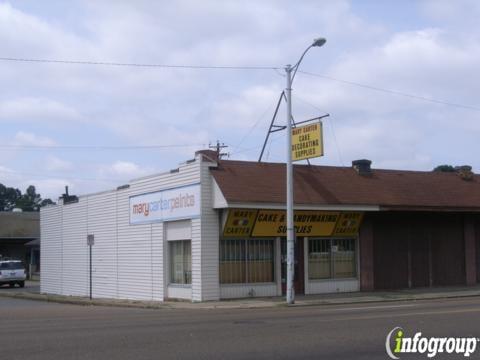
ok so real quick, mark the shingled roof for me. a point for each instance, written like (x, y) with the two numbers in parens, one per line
(253, 182)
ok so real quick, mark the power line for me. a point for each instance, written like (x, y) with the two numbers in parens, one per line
(232, 67)
(393, 92)
(253, 127)
(244, 150)
(60, 177)
(120, 64)
(95, 147)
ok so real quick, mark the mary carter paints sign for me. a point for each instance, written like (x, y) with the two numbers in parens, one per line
(179, 203)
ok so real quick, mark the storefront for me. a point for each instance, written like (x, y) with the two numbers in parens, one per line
(213, 230)
(253, 252)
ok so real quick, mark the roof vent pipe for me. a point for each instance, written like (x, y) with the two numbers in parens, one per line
(362, 167)
(67, 198)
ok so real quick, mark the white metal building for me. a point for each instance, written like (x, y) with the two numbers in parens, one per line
(176, 235)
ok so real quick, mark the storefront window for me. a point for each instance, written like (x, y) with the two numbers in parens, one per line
(344, 264)
(181, 262)
(246, 261)
(331, 258)
(232, 262)
(319, 259)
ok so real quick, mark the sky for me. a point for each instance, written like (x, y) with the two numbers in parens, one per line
(399, 79)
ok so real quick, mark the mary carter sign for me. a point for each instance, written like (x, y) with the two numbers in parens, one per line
(178, 203)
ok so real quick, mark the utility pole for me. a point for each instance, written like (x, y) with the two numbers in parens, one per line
(218, 148)
(290, 223)
(290, 298)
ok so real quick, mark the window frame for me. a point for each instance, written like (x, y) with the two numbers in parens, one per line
(171, 255)
(333, 241)
(248, 258)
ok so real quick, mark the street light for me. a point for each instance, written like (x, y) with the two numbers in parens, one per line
(290, 223)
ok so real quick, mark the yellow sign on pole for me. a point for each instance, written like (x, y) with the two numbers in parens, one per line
(307, 141)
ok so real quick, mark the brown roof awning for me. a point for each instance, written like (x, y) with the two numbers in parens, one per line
(253, 182)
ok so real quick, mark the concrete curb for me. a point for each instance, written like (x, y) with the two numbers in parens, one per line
(236, 304)
(83, 301)
(381, 299)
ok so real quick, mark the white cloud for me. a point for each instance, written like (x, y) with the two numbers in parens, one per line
(54, 163)
(459, 15)
(23, 138)
(184, 140)
(31, 109)
(243, 110)
(123, 170)
(153, 106)
(8, 175)
(399, 131)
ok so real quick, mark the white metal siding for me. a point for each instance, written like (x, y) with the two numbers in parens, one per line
(134, 254)
(196, 261)
(128, 260)
(158, 278)
(103, 225)
(51, 249)
(219, 201)
(210, 237)
(75, 249)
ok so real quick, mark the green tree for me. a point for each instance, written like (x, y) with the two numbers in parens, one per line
(11, 198)
(8, 197)
(444, 168)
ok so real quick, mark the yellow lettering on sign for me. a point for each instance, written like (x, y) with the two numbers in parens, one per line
(307, 223)
(239, 222)
(307, 141)
(271, 223)
(348, 224)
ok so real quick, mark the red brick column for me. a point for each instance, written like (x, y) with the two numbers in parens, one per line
(470, 251)
(366, 255)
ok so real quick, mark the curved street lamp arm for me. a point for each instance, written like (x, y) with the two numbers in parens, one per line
(295, 67)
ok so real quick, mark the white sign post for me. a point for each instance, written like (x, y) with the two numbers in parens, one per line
(90, 243)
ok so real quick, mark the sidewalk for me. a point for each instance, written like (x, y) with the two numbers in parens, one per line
(252, 303)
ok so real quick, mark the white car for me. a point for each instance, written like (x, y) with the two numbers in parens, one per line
(12, 272)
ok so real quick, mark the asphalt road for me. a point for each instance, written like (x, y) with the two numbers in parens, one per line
(40, 330)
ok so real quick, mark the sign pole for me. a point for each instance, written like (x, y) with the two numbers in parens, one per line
(90, 272)
(90, 242)
(290, 298)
